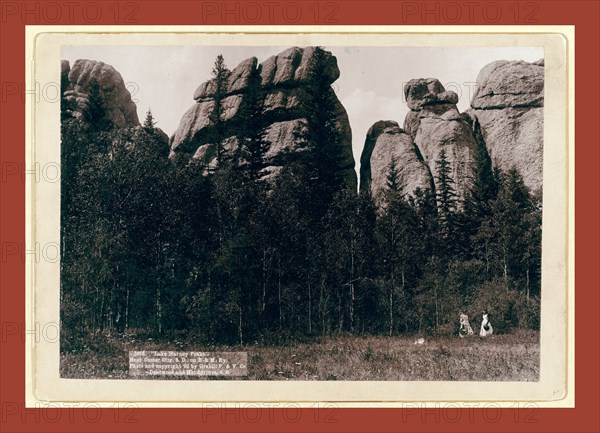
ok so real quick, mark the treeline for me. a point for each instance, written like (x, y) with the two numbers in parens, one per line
(233, 256)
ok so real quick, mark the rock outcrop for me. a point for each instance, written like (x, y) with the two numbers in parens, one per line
(505, 119)
(433, 125)
(285, 84)
(116, 99)
(388, 144)
(437, 126)
(504, 84)
(427, 91)
(508, 106)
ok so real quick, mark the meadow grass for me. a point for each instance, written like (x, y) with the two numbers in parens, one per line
(509, 357)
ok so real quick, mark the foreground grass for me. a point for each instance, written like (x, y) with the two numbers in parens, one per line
(510, 357)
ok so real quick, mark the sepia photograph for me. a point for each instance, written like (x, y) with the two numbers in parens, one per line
(298, 215)
(301, 213)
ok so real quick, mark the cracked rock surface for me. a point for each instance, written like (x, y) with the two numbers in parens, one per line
(286, 82)
(506, 110)
(508, 104)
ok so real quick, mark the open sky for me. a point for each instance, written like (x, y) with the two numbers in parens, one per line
(163, 78)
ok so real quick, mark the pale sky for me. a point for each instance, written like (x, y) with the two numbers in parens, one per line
(370, 86)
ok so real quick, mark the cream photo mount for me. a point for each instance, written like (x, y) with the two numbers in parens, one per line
(555, 387)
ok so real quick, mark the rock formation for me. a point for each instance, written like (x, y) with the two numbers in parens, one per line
(505, 118)
(387, 143)
(286, 83)
(119, 108)
(508, 106)
(433, 124)
(77, 81)
(441, 127)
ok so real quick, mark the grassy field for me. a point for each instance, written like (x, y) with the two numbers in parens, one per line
(510, 357)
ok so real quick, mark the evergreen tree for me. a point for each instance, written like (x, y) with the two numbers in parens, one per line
(320, 137)
(447, 198)
(292, 234)
(393, 181)
(531, 258)
(400, 243)
(149, 138)
(424, 203)
(149, 122)
(511, 232)
(483, 185)
(95, 113)
(252, 140)
(366, 266)
(482, 190)
(220, 75)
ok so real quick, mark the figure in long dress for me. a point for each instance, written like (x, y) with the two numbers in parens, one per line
(486, 325)
(465, 329)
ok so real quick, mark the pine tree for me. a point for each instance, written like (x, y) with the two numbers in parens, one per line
(95, 113)
(253, 143)
(482, 190)
(512, 231)
(424, 203)
(531, 258)
(149, 122)
(447, 205)
(220, 75)
(484, 186)
(393, 181)
(320, 137)
(400, 242)
(366, 261)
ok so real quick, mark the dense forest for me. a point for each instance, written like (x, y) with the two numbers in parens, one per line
(232, 256)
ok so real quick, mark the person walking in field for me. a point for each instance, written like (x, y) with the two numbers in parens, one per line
(486, 325)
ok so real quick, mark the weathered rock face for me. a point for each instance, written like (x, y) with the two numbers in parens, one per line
(411, 123)
(442, 128)
(433, 124)
(506, 119)
(508, 105)
(427, 91)
(504, 84)
(387, 143)
(286, 82)
(293, 66)
(77, 81)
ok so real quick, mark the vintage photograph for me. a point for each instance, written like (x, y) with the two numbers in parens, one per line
(301, 213)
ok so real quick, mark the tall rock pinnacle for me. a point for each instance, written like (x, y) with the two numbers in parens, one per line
(509, 106)
(286, 82)
(505, 120)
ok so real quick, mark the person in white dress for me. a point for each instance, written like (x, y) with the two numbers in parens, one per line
(486, 325)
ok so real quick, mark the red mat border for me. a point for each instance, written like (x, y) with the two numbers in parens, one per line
(14, 417)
